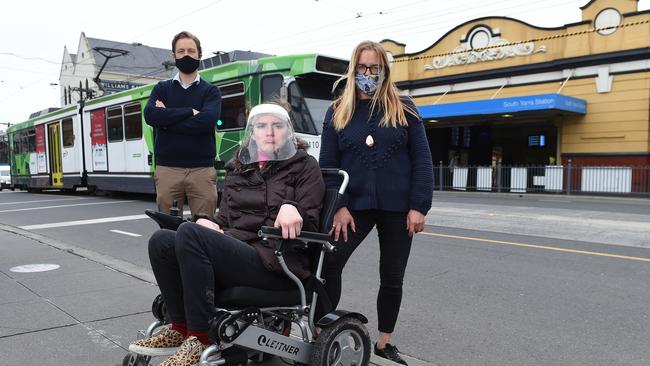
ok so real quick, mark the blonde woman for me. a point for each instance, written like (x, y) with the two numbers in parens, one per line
(377, 136)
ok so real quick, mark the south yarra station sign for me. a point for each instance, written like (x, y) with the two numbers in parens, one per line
(480, 45)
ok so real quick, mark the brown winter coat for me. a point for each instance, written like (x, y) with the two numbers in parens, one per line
(252, 198)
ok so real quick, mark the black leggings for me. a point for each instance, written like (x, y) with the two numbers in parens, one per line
(394, 249)
(194, 263)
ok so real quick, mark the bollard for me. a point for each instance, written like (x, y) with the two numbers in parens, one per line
(569, 178)
(440, 175)
(498, 177)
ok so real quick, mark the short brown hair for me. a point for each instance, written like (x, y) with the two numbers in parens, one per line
(186, 34)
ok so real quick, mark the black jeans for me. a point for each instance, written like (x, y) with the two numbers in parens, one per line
(394, 250)
(193, 263)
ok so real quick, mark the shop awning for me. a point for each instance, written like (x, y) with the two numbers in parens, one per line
(505, 106)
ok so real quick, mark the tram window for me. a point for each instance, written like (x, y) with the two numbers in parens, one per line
(233, 106)
(30, 139)
(24, 145)
(233, 112)
(331, 65)
(302, 119)
(4, 149)
(68, 133)
(114, 124)
(231, 89)
(271, 86)
(132, 122)
(17, 143)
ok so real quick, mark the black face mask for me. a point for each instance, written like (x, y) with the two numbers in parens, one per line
(187, 64)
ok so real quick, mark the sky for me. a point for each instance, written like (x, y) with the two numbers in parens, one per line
(35, 32)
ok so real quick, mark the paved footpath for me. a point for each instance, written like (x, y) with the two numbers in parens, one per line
(82, 313)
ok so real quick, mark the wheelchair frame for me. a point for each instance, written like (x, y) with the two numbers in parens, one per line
(250, 333)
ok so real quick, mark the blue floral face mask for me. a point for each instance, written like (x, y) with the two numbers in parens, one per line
(367, 84)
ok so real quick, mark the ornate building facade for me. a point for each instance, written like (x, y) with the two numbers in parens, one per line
(498, 90)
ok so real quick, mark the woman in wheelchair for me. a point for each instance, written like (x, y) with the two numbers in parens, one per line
(271, 181)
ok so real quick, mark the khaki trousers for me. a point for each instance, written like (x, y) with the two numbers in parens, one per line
(197, 184)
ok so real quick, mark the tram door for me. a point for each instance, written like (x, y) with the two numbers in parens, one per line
(54, 150)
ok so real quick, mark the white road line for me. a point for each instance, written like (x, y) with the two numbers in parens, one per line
(87, 222)
(83, 222)
(58, 199)
(60, 206)
(125, 233)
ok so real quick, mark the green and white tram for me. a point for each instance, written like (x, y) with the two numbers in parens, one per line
(105, 143)
(46, 152)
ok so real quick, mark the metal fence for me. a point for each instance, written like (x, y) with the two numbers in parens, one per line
(566, 179)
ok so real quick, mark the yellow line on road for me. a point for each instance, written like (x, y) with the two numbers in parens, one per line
(535, 246)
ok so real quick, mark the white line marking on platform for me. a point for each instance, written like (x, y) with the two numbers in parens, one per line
(87, 222)
(61, 206)
(39, 201)
(125, 233)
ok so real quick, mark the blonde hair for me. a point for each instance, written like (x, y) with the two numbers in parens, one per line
(387, 95)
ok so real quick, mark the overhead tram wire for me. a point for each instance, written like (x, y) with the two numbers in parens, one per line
(133, 77)
(176, 19)
(562, 2)
(331, 44)
(133, 39)
(29, 58)
(2, 101)
(335, 39)
(33, 71)
(114, 44)
(408, 20)
(327, 44)
(427, 15)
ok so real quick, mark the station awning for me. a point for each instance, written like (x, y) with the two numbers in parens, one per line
(505, 106)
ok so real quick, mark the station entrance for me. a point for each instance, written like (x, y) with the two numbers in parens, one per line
(492, 142)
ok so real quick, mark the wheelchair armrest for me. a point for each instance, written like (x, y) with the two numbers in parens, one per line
(165, 221)
(307, 237)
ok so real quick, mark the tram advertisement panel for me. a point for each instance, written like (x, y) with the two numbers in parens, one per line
(41, 159)
(98, 139)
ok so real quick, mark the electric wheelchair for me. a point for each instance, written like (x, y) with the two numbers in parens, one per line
(255, 324)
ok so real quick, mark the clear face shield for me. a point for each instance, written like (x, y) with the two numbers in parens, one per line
(269, 135)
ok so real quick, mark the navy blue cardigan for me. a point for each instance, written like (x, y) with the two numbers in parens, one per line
(396, 174)
(183, 139)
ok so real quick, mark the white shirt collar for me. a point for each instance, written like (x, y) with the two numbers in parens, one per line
(185, 86)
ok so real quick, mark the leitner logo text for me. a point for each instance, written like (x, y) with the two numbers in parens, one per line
(277, 345)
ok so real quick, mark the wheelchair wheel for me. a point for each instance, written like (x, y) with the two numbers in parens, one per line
(132, 359)
(346, 343)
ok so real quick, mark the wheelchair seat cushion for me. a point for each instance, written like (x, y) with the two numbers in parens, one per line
(240, 297)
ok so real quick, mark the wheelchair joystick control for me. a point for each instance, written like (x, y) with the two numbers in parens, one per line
(174, 209)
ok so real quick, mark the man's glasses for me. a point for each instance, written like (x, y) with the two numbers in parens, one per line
(374, 69)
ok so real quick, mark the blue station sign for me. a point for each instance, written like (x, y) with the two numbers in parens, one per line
(539, 102)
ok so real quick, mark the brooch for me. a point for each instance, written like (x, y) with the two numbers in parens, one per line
(370, 141)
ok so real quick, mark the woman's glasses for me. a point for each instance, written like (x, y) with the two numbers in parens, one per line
(374, 69)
